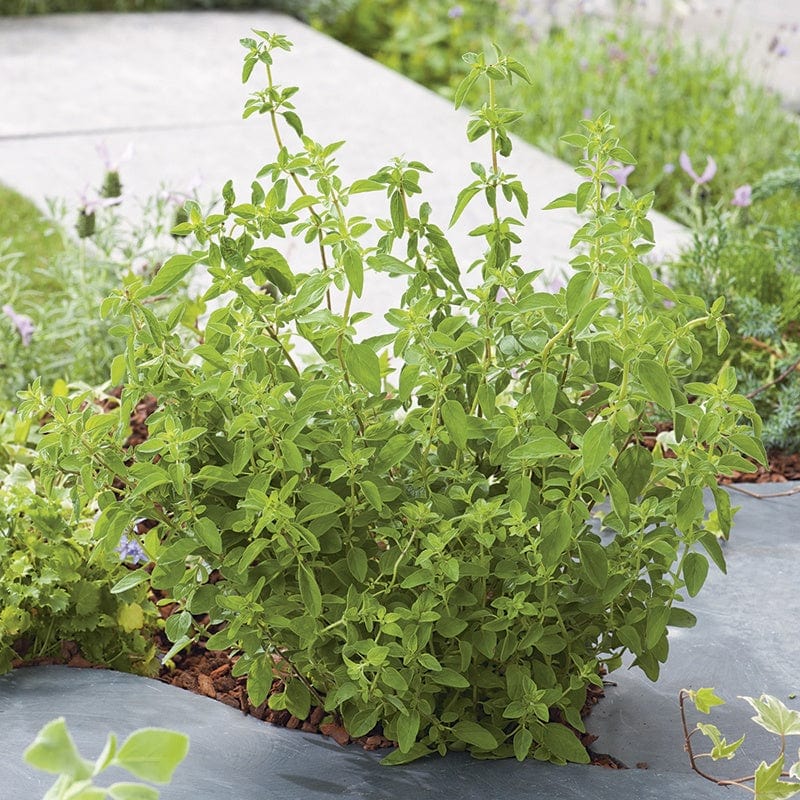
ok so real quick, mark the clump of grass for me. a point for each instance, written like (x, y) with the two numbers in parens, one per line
(666, 97)
(27, 235)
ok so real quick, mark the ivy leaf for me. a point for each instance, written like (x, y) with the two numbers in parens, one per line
(774, 716)
(705, 699)
(768, 785)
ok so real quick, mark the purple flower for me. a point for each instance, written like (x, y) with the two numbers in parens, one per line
(130, 550)
(742, 196)
(708, 173)
(620, 173)
(23, 324)
(669, 168)
(456, 12)
(113, 165)
(89, 203)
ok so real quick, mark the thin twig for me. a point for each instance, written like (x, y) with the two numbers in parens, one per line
(785, 374)
(687, 740)
(738, 488)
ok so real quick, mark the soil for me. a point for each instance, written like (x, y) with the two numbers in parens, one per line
(209, 673)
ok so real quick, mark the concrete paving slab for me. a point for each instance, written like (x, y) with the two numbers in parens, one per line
(743, 644)
(170, 84)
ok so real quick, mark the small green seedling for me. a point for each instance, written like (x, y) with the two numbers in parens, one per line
(150, 754)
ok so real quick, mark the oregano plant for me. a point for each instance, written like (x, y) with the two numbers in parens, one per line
(404, 528)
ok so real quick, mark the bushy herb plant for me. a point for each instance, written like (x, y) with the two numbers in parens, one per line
(150, 754)
(736, 252)
(768, 781)
(55, 580)
(403, 530)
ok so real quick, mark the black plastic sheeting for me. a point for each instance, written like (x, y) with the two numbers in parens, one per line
(745, 643)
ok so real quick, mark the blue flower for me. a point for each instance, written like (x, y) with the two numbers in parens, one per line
(456, 12)
(130, 550)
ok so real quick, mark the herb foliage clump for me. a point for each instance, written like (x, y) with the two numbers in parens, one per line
(403, 530)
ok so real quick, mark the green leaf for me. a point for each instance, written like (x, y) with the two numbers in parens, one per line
(208, 533)
(132, 791)
(259, 679)
(774, 716)
(298, 698)
(596, 447)
(449, 677)
(705, 699)
(275, 266)
(695, 570)
(173, 271)
(542, 443)
(634, 466)
(556, 539)
(455, 420)
(153, 754)
(464, 196)
(395, 450)
(354, 270)
(768, 785)
(407, 730)
(523, 740)
(656, 383)
(130, 580)
(474, 734)
(595, 563)
(463, 88)
(750, 445)
(362, 722)
(397, 757)
(363, 366)
(53, 750)
(565, 201)
(309, 590)
(563, 743)
(357, 563)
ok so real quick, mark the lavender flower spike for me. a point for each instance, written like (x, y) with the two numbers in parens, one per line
(620, 173)
(455, 12)
(708, 173)
(742, 196)
(22, 322)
